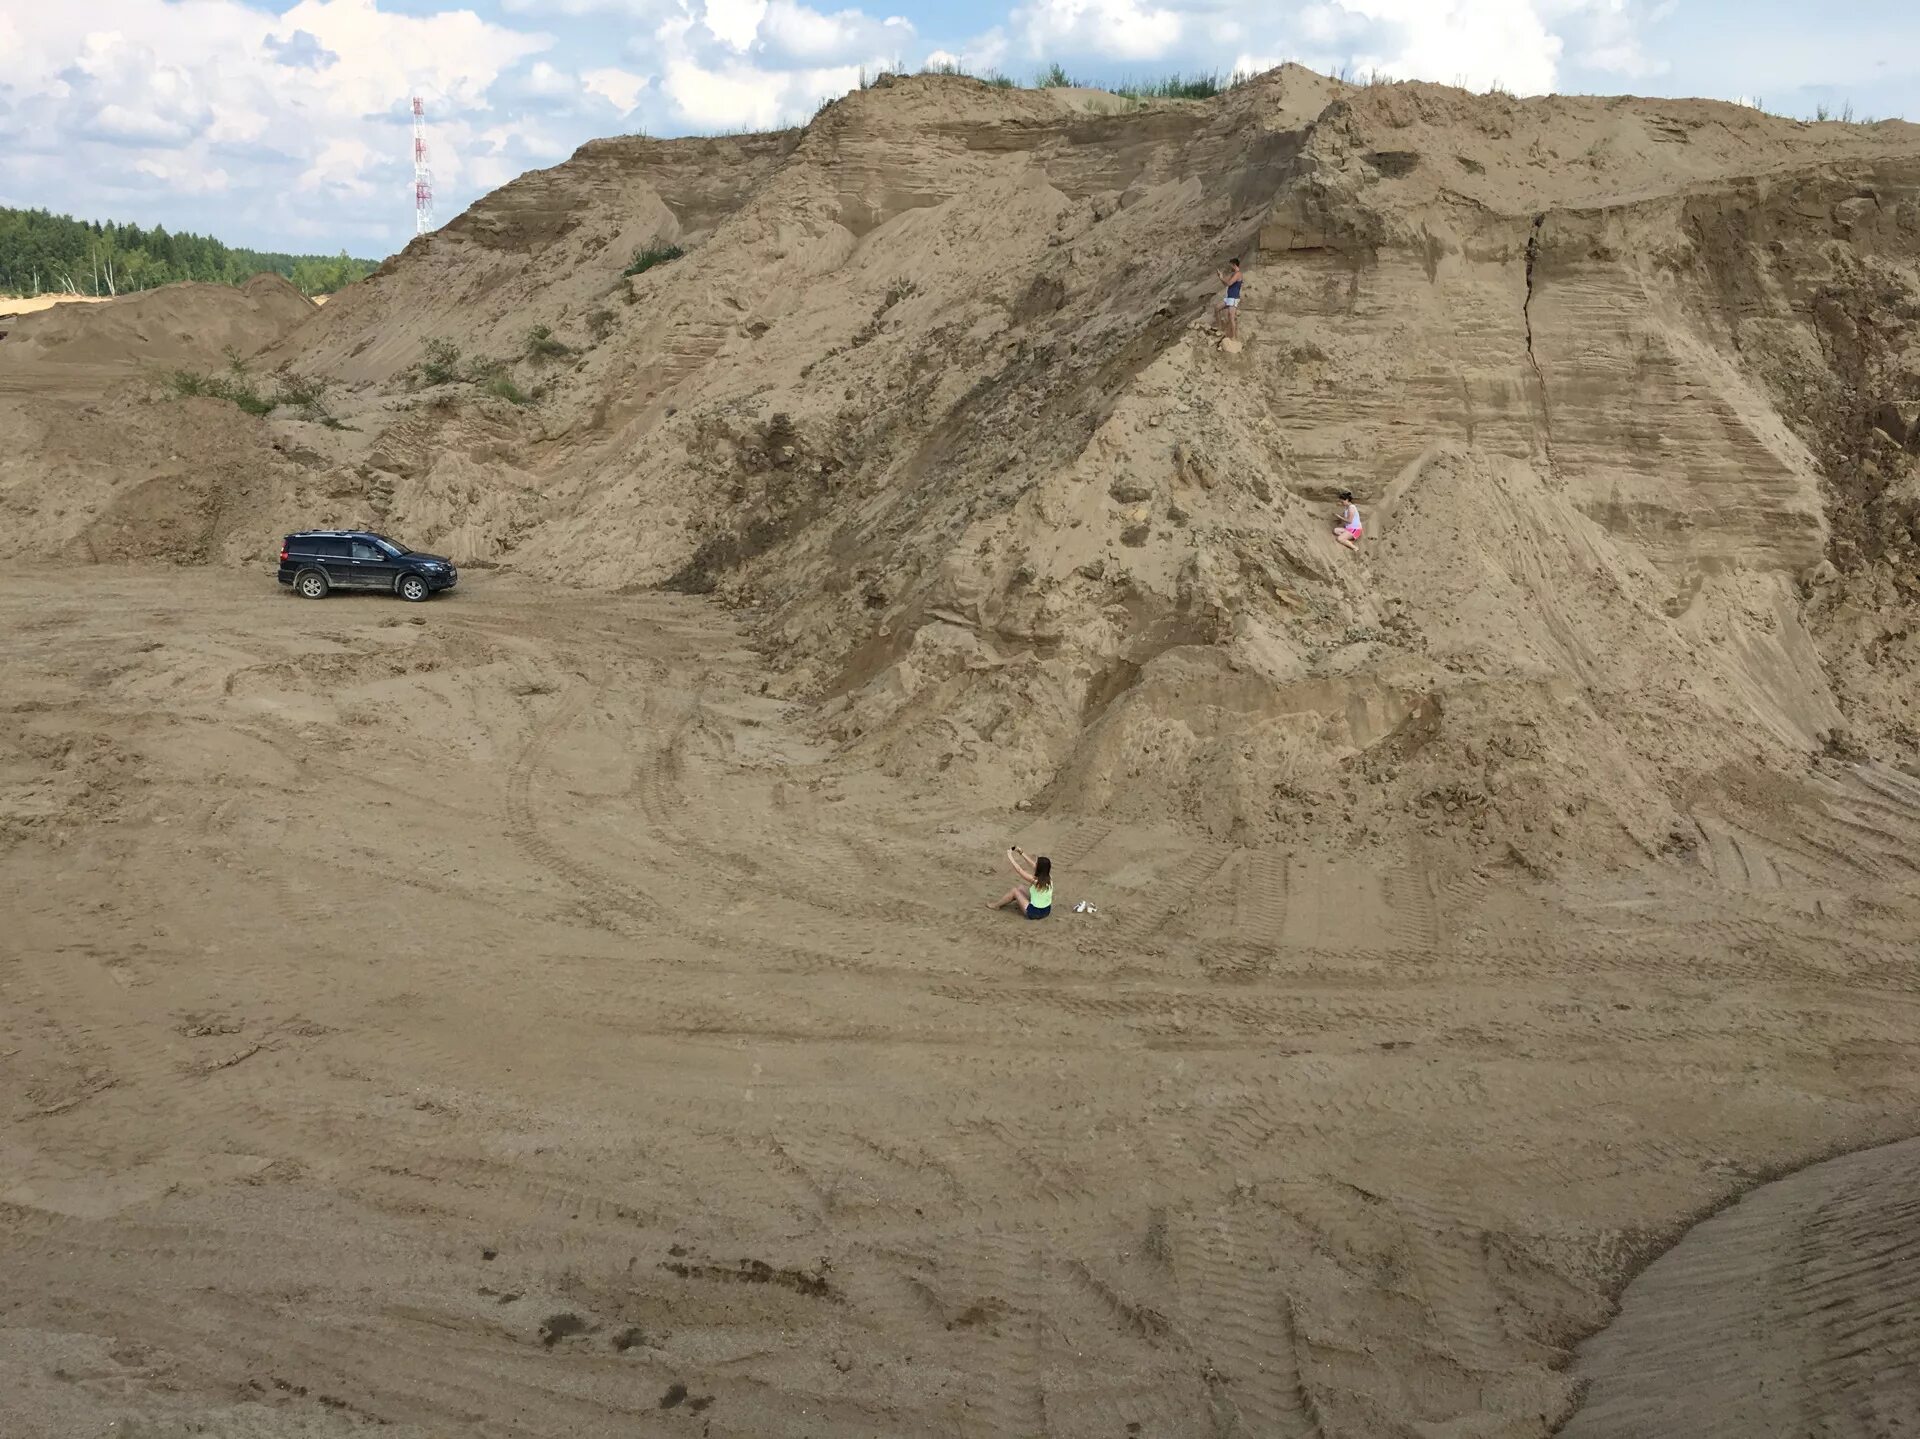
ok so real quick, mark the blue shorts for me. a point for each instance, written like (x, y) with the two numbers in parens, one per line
(1033, 913)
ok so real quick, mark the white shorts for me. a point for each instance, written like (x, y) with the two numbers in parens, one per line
(1232, 302)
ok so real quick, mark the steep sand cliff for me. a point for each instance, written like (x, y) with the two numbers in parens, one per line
(1626, 389)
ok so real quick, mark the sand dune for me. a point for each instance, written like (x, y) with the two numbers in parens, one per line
(188, 323)
(1792, 1313)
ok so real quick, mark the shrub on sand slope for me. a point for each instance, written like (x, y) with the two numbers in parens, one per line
(656, 254)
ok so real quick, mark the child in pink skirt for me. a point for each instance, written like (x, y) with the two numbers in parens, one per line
(1348, 530)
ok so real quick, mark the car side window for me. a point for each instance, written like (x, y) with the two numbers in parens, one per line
(329, 549)
(364, 551)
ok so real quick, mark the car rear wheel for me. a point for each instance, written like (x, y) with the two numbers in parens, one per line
(414, 588)
(311, 585)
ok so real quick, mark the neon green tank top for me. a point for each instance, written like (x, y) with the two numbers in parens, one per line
(1040, 898)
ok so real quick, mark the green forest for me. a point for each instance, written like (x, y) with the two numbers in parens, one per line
(42, 252)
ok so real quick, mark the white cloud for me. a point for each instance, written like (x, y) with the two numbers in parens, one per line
(757, 64)
(238, 123)
(1475, 42)
(737, 95)
(301, 51)
(340, 169)
(550, 10)
(292, 118)
(454, 55)
(185, 178)
(541, 88)
(735, 22)
(134, 96)
(619, 88)
(1521, 44)
(545, 79)
(1325, 25)
(1608, 35)
(136, 125)
(1118, 29)
(984, 54)
(797, 32)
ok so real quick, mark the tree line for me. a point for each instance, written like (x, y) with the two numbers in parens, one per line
(42, 253)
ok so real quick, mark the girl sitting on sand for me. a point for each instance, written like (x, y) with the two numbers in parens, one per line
(1036, 900)
(1348, 530)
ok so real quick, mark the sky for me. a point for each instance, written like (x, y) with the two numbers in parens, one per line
(286, 127)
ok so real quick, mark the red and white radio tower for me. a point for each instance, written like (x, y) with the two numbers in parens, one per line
(422, 174)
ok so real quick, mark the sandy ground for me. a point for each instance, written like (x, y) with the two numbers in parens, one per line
(20, 305)
(1793, 1313)
(495, 1017)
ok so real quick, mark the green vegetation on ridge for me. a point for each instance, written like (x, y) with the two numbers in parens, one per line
(41, 252)
(239, 386)
(645, 258)
(1203, 85)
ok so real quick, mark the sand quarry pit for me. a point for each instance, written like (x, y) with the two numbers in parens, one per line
(568, 1007)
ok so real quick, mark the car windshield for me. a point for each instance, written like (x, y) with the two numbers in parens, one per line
(390, 546)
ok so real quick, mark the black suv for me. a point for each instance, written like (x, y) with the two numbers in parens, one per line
(315, 561)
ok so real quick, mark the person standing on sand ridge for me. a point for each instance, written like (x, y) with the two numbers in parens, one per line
(1232, 277)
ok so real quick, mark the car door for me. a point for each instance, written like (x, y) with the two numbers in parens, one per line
(373, 567)
(330, 555)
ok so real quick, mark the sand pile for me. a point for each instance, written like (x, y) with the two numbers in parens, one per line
(1624, 387)
(105, 464)
(545, 249)
(185, 324)
(133, 478)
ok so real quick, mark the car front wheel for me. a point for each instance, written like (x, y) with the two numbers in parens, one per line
(311, 585)
(414, 588)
